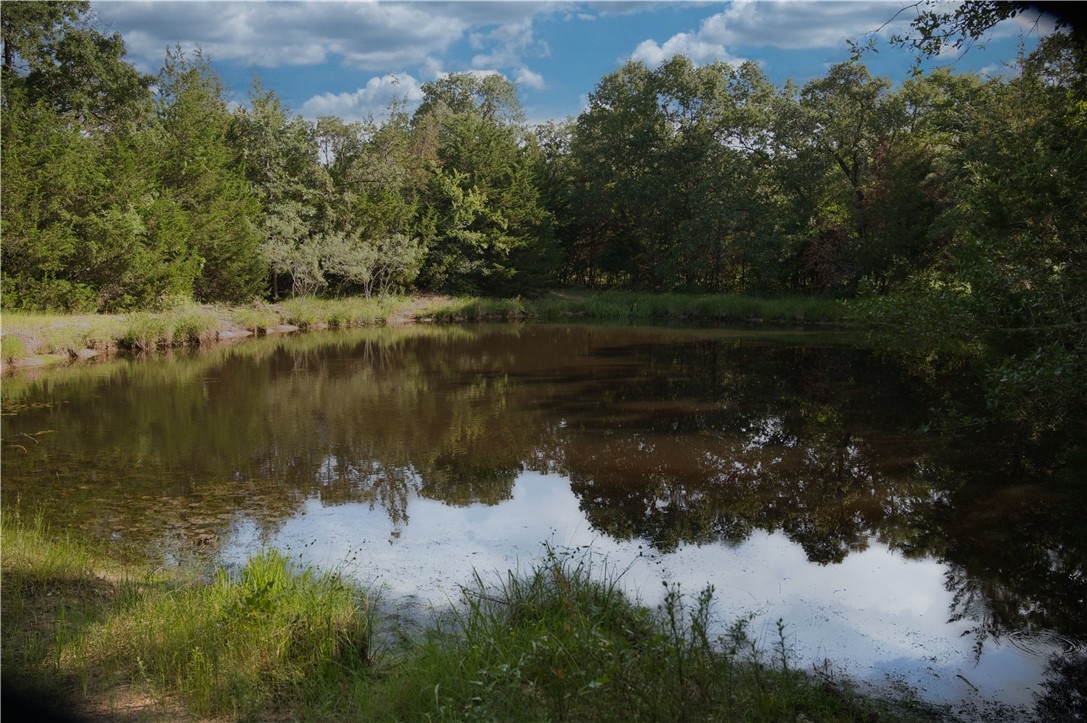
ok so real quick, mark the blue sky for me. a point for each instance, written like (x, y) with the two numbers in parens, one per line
(352, 58)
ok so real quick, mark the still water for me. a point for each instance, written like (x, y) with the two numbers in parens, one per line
(790, 470)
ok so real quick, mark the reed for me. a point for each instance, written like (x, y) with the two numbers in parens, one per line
(257, 317)
(475, 309)
(635, 306)
(189, 325)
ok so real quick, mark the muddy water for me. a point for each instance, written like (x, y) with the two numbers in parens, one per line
(787, 469)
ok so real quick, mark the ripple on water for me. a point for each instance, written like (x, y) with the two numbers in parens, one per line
(1045, 643)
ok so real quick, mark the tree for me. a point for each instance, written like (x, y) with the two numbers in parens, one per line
(28, 28)
(84, 226)
(616, 144)
(1010, 284)
(938, 26)
(485, 210)
(279, 153)
(199, 170)
(673, 173)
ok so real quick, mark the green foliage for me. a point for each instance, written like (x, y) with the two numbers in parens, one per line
(197, 169)
(951, 204)
(1011, 284)
(188, 325)
(483, 212)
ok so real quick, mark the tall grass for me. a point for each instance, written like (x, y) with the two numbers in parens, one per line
(31, 334)
(475, 309)
(268, 635)
(560, 641)
(183, 323)
(629, 305)
(309, 312)
(189, 325)
(257, 317)
(271, 635)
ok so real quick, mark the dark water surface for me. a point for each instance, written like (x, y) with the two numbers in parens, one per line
(787, 469)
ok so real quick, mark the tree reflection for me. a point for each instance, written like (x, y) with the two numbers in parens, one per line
(670, 436)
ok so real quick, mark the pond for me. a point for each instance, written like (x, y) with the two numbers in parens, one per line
(791, 470)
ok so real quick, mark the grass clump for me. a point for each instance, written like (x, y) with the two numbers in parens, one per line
(31, 334)
(269, 637)
(559, 644)
(475, 309)
(310, 312)
(257, 317)
(12, 348)
(274, 640)
(634, 306)
(186, 325)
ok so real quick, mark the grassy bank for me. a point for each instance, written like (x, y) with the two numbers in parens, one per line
(56, 337)
(634, 306)
(560, 641)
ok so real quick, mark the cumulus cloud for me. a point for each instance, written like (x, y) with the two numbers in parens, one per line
(506, 44)
(369, 35)
(529, 79)
(373, 99)
(694, 47)
(789, 24)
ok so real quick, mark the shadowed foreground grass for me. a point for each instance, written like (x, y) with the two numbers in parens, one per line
(558, 642)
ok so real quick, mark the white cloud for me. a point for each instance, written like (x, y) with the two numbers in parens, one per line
(529, 79)
(373, 99)
(367, 35)
(507, 44)
(698, 50)
(790, 24)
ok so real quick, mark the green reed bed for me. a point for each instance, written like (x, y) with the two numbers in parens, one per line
(188, 325)
(628, 305)
(560, 641)
(475, 309)
(182, 323)
(257, 317)
(28, 334)
(311, 312)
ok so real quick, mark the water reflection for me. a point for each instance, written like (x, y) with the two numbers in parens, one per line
(669, 438)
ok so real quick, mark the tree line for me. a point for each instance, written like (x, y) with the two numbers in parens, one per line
(950, 204)
(121, 189)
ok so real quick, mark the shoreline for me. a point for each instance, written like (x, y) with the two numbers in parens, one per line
(41, 340)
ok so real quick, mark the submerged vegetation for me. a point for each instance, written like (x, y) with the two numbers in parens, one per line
(558, 641)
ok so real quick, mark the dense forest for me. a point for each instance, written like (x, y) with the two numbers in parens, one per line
(950, 207)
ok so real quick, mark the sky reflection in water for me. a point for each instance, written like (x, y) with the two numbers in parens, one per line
(876, 615)
(784, 468)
